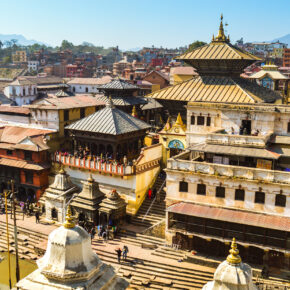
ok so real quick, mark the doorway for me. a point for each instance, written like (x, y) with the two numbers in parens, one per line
(246, 127)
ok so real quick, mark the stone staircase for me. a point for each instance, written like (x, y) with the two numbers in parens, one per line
(170, 253)
(27, 241)
(156, 212)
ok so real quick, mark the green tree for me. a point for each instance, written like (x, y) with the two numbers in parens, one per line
(66, 44)
(195, 45)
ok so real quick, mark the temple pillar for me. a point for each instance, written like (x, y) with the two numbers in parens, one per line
(266, 257)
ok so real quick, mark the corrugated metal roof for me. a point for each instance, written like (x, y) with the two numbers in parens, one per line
(222, 89)
(118, 84)
(234, 216)
(124, 101)
(151, 105)
(236, 150)
(217, 51)
(109, 120)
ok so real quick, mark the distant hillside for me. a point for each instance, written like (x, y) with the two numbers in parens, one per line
(20, 39)
(284, 39)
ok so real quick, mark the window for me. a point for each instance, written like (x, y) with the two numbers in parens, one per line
(259, 197)
(208, 121)
(288, 130)
(9, 152)
(239, 194)
(82, 113)
(192, 120)
(29, 177)
(200, 120)
(183, 186)
(27, 155)
(66, 115)
(87, 89)
(220, 192)
(280, 200)
(201, 189)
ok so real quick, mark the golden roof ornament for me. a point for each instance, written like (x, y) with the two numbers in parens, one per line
(69, 220)
(221, 34)
(61, 170)
(90, 179)
(134, 112)
(233, 257)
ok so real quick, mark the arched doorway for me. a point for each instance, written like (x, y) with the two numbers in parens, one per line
(175, 146)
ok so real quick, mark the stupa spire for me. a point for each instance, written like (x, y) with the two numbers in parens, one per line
(69, 220)
(233, 257)
(134, 112)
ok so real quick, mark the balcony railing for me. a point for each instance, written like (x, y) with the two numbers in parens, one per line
(264, 175)
(94, 165)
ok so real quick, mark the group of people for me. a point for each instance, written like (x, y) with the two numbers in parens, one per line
(124, 252)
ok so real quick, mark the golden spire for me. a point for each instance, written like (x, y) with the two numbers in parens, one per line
(61, 170)
(233, 257)
(168, 124)
(69, 220)
(134, 112)
(221, 35)
(178, 121)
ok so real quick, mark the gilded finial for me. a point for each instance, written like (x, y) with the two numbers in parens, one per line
(69, 220)
(233, 257)
(179, 121)
(134, 112)
(221, 34)
(212, 38)
(110, 103)
(61, 170)
(90, 179)
(168, 124)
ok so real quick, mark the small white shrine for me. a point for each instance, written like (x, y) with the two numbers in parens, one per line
(70, 263)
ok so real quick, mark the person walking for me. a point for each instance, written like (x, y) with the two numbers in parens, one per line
(37, 217)
(149, 193)
(125, 252)
(119, 253)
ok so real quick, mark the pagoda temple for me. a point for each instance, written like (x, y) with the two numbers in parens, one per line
(110, 132)
(219, 65)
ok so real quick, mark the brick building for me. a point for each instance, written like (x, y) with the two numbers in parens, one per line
(286, 57)
(24, 158)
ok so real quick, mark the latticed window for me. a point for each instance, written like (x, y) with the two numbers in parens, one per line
(280, 200)
(183, 186)
(192, 120)
(200, 120)
(220, 192)
(201, 189)
(259, 197)
(240, 194)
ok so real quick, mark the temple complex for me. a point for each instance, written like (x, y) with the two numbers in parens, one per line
(70, 263)
(233, 178)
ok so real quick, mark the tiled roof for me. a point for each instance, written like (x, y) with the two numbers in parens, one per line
(217, 51)
(118, 84)
(15, 134)
(61, 93)
(22, 164)
(22, 82)
(281, 223)
(151, 104)
(217, 89)
(14, 110)
(90, 81)
(109, 120)
(78, 101)
(163, 75)
(124, 101)
(183, 70)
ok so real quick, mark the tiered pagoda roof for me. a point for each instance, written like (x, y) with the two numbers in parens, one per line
(219, 65)
(118, 84)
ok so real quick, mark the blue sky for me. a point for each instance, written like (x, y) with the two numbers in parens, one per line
(138, 23)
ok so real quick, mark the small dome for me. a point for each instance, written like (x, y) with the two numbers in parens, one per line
(69, 253)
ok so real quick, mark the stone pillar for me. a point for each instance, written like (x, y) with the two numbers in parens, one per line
(266, 257)
(287, 261)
